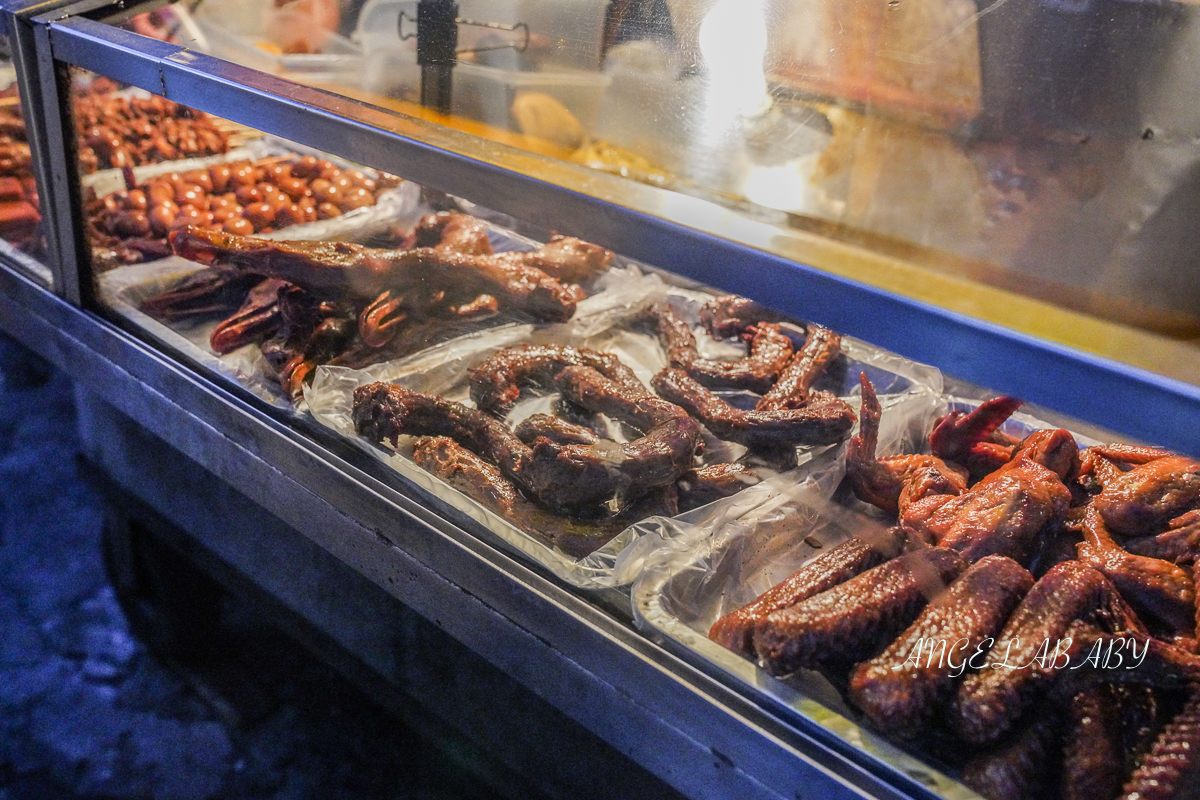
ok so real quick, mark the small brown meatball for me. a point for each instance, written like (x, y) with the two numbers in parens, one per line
(199, 177)
(294, 188)
(356, 197)
(360, 179)
(272, 194)
(279, 172)
(220, 175)
(239, 225)
(328, 211)
(288, 215)
(135, 200)
(260, 215)
(192, 195)
(191, 216)
(160, 192)
(328, 192)
(242, 176)
(129, 224)
(246, 194)
(306, 167)
(161, 219)
(227, 211)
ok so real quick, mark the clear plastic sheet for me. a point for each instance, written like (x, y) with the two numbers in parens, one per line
(605, 322)
(680, 594)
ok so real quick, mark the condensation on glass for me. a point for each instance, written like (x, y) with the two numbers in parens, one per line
(21, 229)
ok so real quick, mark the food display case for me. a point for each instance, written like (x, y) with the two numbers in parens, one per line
(522, 314)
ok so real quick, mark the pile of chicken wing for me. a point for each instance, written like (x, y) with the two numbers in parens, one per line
(1030, 619)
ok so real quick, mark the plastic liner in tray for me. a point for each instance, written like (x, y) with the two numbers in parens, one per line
(606, 322)
(125, 288)
(681, 594)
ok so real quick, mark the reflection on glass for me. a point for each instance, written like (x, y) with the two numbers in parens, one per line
(1042, 148)
(20, 206)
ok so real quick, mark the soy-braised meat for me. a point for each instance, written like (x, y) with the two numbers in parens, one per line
(1172, 759)
(482, 482)
(1158, 590)
(203, 293)
(854, 620)
(990, 701)
(1061, 693)
(703, 485)
(563, 258)
(349, 270)
(735, 630)
(974, 439)
(1018, 767)
(1002, 514)
(1094, 745)
(770, 353)
(894, 482)
(573, 475)
(393, 301)
(498, 381)
(824, 419)
(555, 429)
(729, 315)
(383, 412)
(557, 476)
(792, 389)
(258, 318)
(905, 686)
(1158, 489)
(1179, 544)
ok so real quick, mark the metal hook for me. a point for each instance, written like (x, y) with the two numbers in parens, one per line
(400, 27)
(520, 26)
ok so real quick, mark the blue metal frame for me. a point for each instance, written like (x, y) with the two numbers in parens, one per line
(15, 24)
(1128, 399)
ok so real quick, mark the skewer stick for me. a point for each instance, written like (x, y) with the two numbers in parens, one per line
(266, 162)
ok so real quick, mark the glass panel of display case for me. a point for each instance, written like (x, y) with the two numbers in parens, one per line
(1027, 147)
(22, 237)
